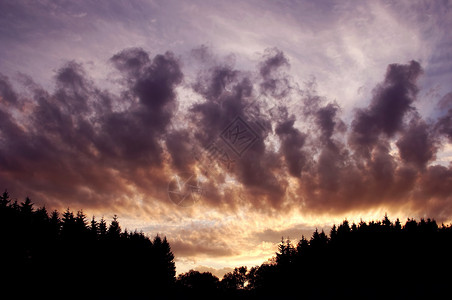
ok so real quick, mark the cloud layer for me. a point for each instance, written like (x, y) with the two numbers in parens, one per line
(84, 146)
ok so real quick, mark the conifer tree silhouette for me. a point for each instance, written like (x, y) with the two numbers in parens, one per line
(35, 243)
(4, 199)
(102, 228)
(114, 230)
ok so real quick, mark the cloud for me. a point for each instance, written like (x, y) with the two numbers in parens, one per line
(193, 248)
(367, 171)
(275, 83)
(444, 124)
(6, 91)
(417, 145)
(85, 147)
(392, 100)
(73, 143)
(292, 142)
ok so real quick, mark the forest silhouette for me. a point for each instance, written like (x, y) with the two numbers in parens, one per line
(65, 255)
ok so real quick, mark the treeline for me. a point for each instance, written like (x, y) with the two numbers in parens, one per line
(65, 255)
(372, 260)
(68, 256)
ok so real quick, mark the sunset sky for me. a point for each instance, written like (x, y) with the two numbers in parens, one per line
(225, 125)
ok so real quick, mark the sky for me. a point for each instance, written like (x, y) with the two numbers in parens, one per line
(227, 125)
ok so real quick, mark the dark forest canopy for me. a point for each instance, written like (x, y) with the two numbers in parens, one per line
(53, 253)
(69, 252)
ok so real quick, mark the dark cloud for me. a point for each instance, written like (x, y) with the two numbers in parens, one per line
(228, 94)
(391, 102)
(131, 61)
(6, 91)
(417, 145)
(370, 173)
(81, 145)
(444, 123)
(292, 142)
(134, 134)
(73, 144)
(181, 150)
(434, 195)
(436, 183)
(274, 81)
(326, 121)
(329, 165)
(197, 245)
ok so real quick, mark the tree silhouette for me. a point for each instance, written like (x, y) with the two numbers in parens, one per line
(55, 224)
(68, 224)
(236, 279)
(68, 254)
(93, 228)
(102, 228)
(114, 231)
(365, 260)
(26, 207)
(286, 252)
(4, 199)
(195, 282)
(333, 232)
